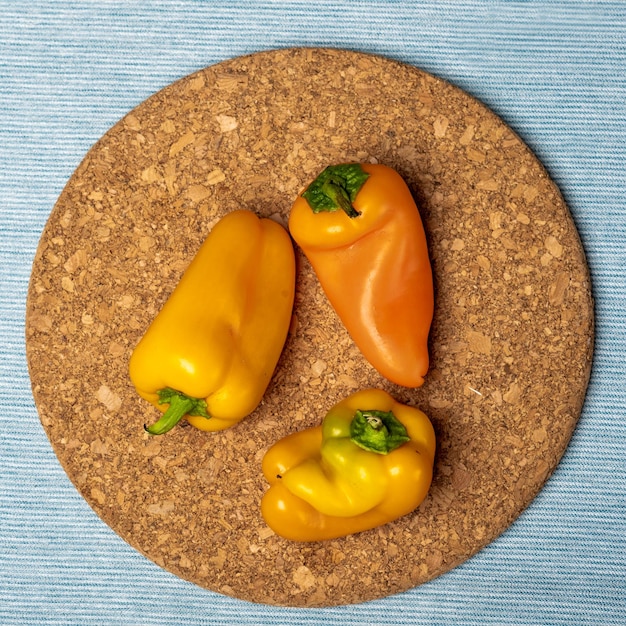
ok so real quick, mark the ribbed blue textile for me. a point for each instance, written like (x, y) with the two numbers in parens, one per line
(554, 71)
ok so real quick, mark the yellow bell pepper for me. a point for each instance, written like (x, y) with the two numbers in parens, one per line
(368, 463)
(211, 351)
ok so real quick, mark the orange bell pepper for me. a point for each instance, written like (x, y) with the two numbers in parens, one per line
(368, 463)
(360, 229)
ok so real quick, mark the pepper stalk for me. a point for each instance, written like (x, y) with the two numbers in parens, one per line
(336, 188)
(377, 431)
(180, 405)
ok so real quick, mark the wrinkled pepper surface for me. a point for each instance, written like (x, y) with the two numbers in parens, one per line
(360, 229)
(210, 353)
(368, 463)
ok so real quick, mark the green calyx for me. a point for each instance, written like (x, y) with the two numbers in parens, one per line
(336, 188)
(377, 431)
(180, 405)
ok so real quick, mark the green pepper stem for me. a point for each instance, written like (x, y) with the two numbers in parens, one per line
(336, 188)
(377, 431)
(337, 193)
(180, 405)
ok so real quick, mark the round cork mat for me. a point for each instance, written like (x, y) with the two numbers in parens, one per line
(511, 342)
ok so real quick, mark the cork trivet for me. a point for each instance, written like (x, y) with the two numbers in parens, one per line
(511, 342)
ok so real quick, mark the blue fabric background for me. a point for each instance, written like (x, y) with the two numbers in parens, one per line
(554, 71)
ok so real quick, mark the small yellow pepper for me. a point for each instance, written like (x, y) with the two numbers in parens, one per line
(211, 351)
(368, 463)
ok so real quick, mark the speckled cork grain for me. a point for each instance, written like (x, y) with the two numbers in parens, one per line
(511, 342)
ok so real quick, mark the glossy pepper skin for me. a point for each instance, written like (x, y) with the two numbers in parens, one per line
(211, 351)
(323, 485)
(360, 229)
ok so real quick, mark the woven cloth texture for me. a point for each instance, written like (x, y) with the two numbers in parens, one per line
(554, 71)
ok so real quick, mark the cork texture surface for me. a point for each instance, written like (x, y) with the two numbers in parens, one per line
(511, 342)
